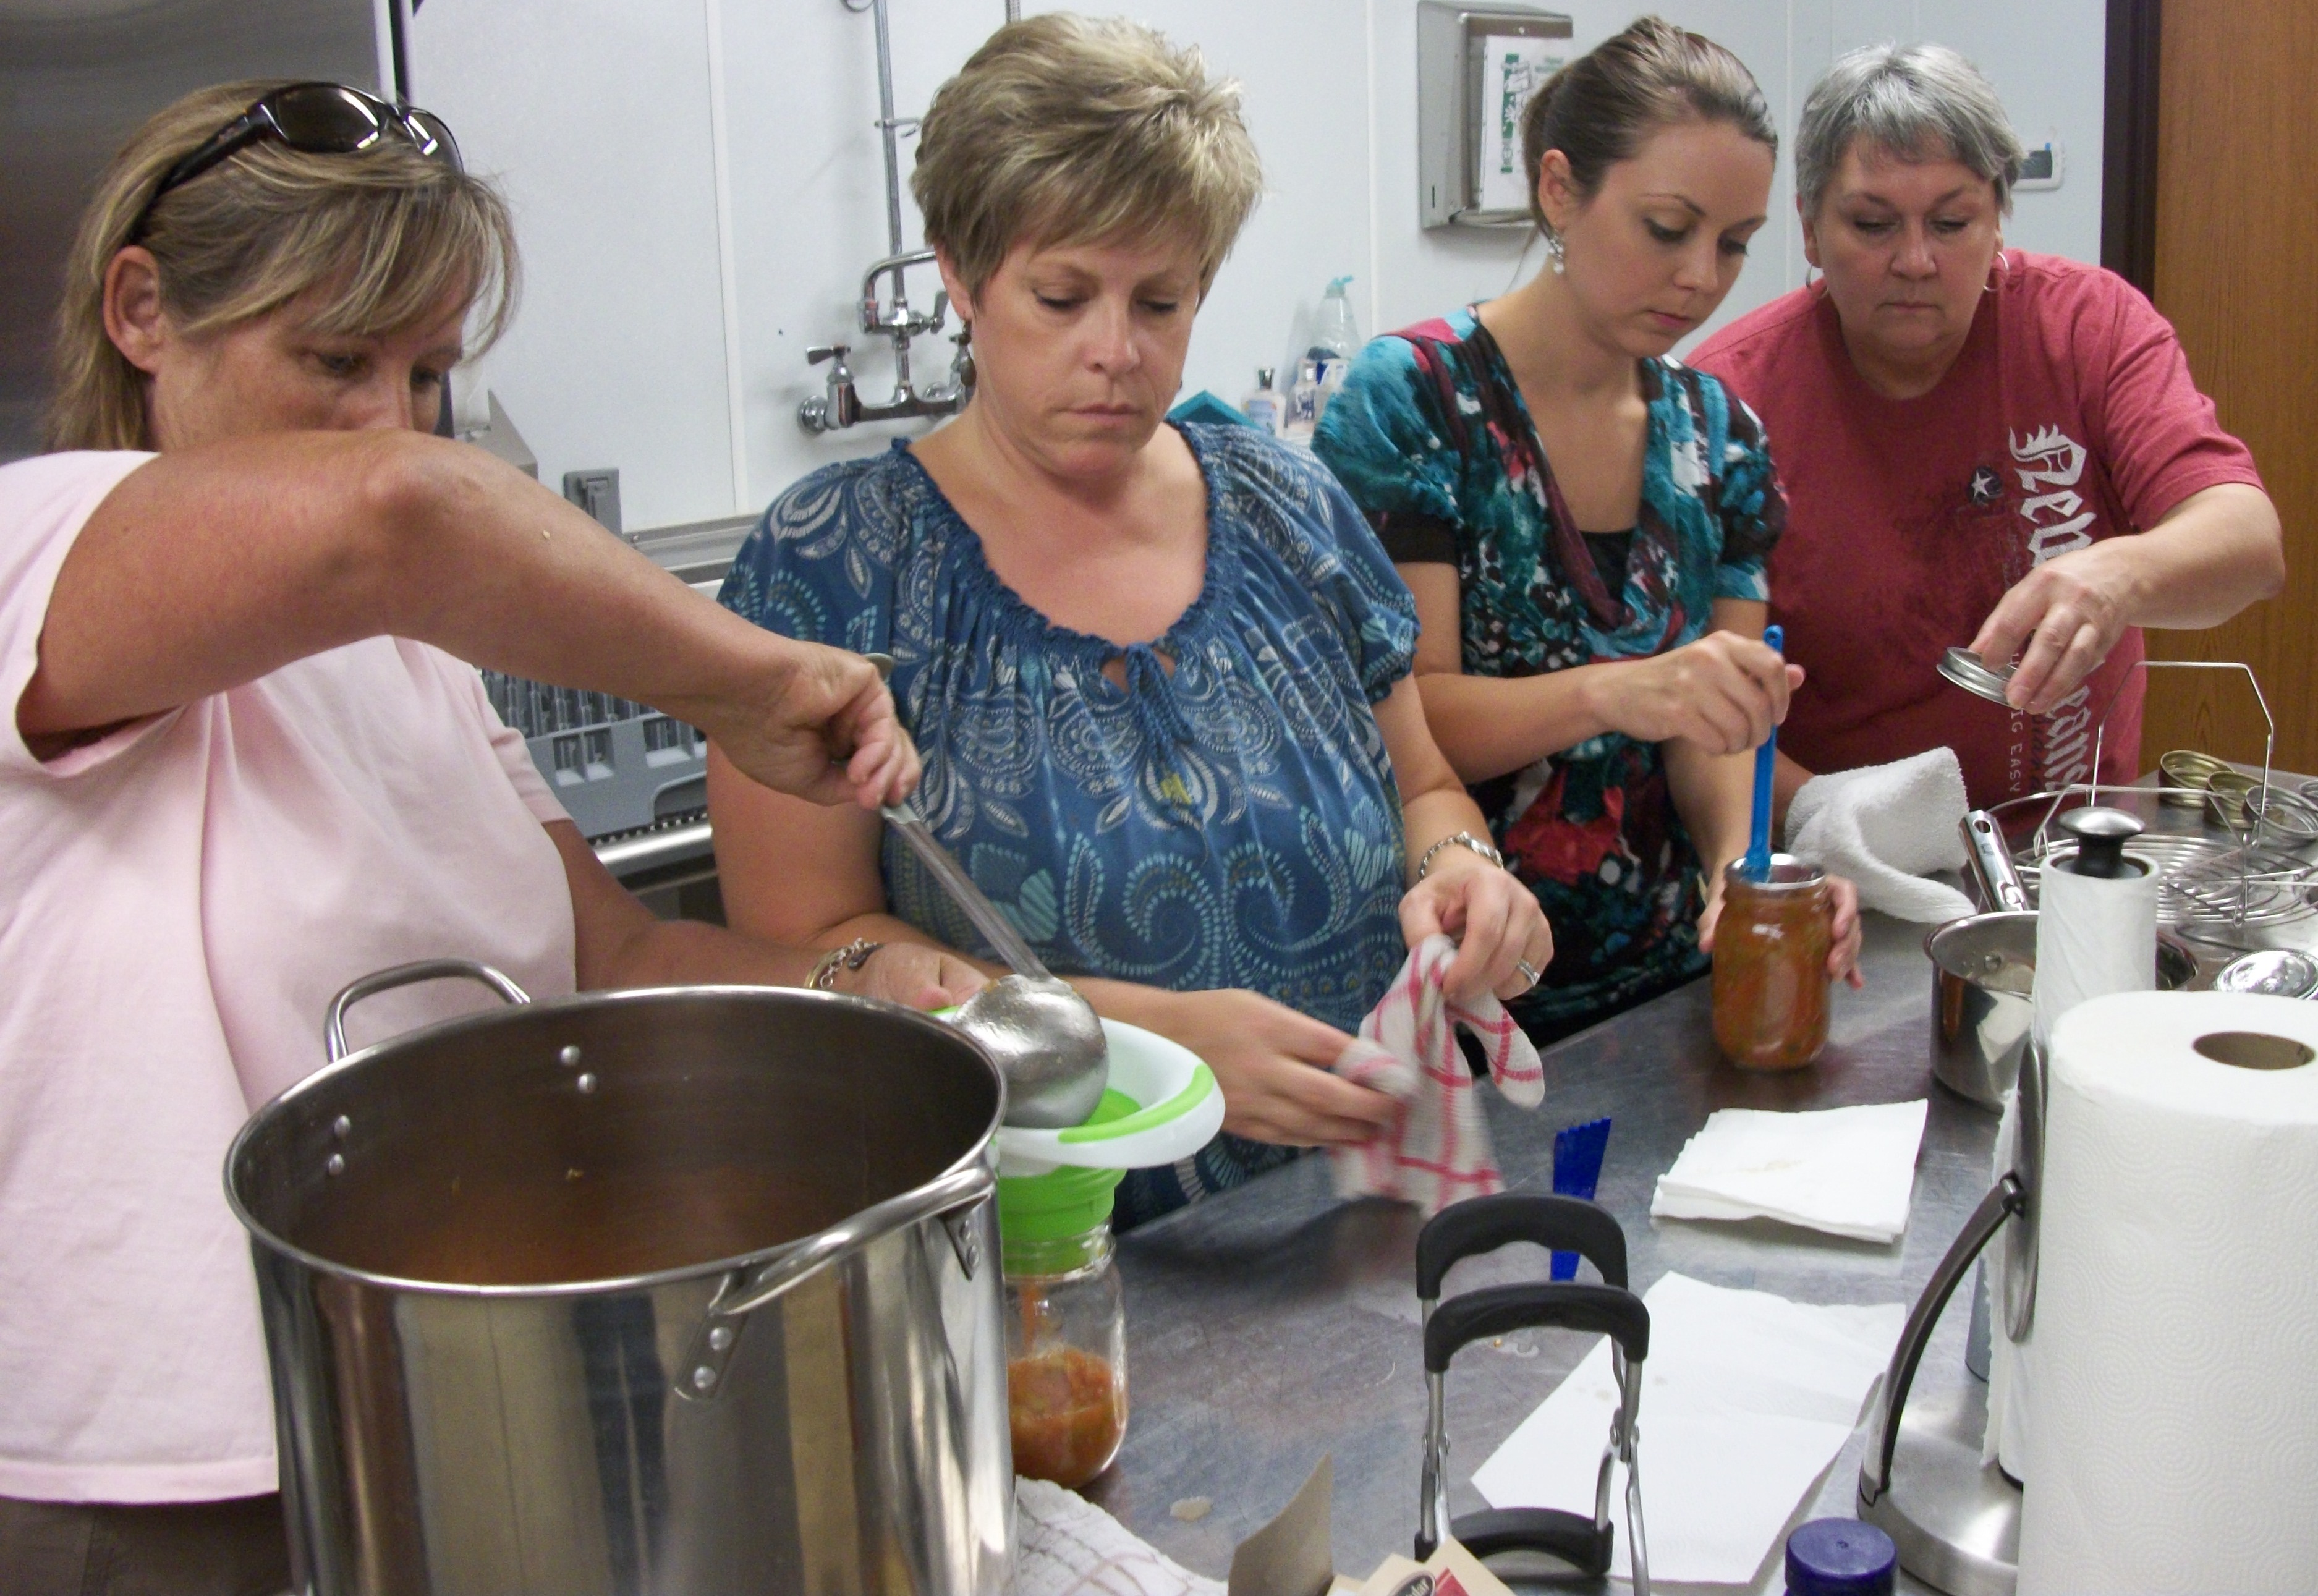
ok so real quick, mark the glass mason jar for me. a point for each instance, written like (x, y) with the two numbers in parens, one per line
(1065, 1324)
(1770, 965)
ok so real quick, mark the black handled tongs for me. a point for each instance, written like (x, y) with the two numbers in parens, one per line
(1569, 1224)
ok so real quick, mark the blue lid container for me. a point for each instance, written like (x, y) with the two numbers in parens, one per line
(1840, 1558)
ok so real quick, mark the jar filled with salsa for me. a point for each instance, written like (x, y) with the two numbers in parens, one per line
(1065, 1324)
(1771, 946)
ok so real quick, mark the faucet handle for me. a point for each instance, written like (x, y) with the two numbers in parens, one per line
(820, 352)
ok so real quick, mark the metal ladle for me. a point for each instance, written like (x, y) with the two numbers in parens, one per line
(1045, 1037)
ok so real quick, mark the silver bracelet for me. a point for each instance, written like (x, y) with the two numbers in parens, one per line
(851, 956)
(1462, 840)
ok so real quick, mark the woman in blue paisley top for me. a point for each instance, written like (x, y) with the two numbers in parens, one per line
(1160, 676)
(1584, 523)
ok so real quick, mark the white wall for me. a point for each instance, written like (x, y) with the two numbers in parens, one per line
(698, 185)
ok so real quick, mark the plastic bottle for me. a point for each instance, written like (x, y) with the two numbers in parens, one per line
(1301, 414)
(1335, 336)
(1841, 1557)
(1262, 405)
(1336, 339)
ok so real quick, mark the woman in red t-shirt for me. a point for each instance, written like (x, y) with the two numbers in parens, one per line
(1963, 432)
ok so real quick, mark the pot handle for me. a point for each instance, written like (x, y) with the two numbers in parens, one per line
(962, 1188)
(333, 1028)
(1990, 859)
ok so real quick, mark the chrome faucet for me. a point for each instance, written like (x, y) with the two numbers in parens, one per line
(840, 404)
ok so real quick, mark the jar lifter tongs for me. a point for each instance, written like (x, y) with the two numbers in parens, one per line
(1562, 1223)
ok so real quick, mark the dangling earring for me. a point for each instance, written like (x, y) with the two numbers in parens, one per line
(1557, 253)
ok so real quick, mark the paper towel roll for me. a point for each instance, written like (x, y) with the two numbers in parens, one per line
(2095, 936)
(2173, 1425)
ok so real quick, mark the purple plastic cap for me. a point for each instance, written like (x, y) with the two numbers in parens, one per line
(1840, 1558)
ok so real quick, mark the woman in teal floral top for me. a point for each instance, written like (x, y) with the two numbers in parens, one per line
(1584, 522)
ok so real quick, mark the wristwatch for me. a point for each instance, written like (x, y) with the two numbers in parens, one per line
(1465, 839)
(851, 956)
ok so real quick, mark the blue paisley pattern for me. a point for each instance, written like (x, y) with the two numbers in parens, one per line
(1430, 437)
(1231, 823)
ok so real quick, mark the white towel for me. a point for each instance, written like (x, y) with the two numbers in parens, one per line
(1883, 827)
(1072, 1548)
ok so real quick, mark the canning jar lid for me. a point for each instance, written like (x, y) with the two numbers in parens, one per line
(2278, 970)
(1974, 674)
(1788, 875)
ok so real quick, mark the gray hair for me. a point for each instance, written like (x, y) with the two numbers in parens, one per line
(1917, 102)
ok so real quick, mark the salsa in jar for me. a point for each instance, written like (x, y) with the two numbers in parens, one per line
(1065, 1324)
(1771, 947)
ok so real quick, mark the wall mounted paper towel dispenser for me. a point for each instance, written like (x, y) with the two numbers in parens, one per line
(1476, 68)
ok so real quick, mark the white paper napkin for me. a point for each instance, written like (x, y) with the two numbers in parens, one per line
(1072, 1548)
(1746, 1398)
(1847, 1171)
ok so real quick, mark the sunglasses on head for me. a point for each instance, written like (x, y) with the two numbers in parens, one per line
(315, 119)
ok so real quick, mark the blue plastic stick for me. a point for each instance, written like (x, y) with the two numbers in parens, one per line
(1577, 1169)
(1767, 758)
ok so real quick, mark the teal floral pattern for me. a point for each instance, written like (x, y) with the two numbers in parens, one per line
(1431, 438)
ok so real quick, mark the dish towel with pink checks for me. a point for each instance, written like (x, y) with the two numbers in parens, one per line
(1437, 1153)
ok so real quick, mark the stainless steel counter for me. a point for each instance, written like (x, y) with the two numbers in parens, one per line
(1273, 1323)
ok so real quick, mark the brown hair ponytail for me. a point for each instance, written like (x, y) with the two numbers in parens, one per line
(1599, 109)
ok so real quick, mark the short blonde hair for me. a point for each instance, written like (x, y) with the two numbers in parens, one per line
(1064, 130)
(386, 234)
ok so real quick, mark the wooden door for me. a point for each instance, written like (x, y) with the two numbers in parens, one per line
(2237, 274)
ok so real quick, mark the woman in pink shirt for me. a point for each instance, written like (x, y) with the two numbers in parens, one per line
(245, 765)
(1980, 446)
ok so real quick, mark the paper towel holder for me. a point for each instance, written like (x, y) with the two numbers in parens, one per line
(2027, 1177)
(1957, 1520)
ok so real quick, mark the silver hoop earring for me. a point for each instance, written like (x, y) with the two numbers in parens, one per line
(1808, 278)
(1557, 254)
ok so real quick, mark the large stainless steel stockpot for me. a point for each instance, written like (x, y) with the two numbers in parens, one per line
(672, 1291)
(1983, 967)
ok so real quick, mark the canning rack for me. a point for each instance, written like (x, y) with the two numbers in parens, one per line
(2256, 880)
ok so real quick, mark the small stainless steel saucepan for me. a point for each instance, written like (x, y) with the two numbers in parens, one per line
(1983, 966)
